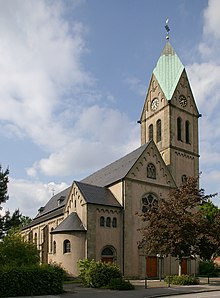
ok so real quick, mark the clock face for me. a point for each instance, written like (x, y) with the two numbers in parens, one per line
(154, 103)
(182, 100)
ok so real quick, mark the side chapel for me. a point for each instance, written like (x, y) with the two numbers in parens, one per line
(95, 218)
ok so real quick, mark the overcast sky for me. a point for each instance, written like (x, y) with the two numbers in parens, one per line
(73, 80)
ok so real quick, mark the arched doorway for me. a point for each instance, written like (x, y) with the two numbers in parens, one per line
(108, 254)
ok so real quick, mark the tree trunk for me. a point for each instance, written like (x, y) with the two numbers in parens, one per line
(180, 267)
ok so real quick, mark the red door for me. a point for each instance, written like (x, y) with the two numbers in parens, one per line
(184, 266)
(151, 266)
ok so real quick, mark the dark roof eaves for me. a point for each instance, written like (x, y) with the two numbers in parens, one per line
(40, 219)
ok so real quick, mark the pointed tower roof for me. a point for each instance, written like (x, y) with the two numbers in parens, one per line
(168, 70)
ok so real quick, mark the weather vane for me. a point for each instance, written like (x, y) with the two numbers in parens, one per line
(167, 29)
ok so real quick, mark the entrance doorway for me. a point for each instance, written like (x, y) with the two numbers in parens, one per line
(184, 266)
(151, 266)
(108, 254)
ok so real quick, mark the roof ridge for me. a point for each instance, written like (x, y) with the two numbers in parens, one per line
(110, 173)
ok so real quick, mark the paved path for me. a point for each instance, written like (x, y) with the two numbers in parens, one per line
(154, 289)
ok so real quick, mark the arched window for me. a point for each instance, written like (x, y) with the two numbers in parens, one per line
(151, 132)
(187, 128)
(66, 246)
(151, 171)
(158, 130)
(108, 254)
(149, 201)
(54, 247)
(184, 179)
(51, 240)
(179, 129)
(114, 222)
(102, 221)
(35, 239)
(108, 222)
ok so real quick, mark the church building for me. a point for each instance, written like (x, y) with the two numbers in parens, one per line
(96, 218)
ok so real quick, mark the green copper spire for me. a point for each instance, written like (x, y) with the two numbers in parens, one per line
(168, 70)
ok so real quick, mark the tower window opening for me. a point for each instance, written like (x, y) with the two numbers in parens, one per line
(179, 129)
(151, 132)
(187, 128)
(158, 130)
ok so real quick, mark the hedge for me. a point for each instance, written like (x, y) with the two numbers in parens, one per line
(183, 279)
(31, 281)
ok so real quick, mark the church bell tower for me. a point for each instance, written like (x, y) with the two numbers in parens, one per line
(170, 116)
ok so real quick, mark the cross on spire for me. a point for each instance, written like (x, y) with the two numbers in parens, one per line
(167, 29)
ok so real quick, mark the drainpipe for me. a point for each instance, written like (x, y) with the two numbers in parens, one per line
(123, 228)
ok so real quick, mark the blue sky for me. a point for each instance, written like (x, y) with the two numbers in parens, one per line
(73, 80)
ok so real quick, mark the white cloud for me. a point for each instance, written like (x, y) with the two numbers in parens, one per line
(205, 81)
(211, 18)
(102, 135)
(40, 60)
(28, 196)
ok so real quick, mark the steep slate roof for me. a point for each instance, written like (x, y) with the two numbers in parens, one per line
(70, 224)
(57, 201)
(97, 195)
(116, 170)
(53, 208)
(168, 70)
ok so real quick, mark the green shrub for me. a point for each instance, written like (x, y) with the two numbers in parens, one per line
(120, 284)
(30, 281)
(97, 274)
(182, 280)
(15, 252)
(208, 268)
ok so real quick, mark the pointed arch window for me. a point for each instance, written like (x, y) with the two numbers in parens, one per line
(151, 171)
(187, 128)
(114, 222)
(51, 240)
(108, 222)
(102, 221)
(179, 129)
(158, 130)
(54, 247)
(151, 132)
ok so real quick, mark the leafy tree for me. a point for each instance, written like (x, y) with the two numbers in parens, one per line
(16, 252)
(14, 222)
(3, 185)
(209, 237)
(176, 225)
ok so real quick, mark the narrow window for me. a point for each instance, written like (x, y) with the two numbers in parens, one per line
(108, 222)
(51, 239)
(179, 129)
(54, 247)
(151, 132)
(114, 222)
(187, 127)
(35, 239)
(66, 246)
(184, 179)
(151, 171)
(158, 130)
(102, 221)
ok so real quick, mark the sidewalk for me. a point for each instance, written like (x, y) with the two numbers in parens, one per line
(154, 289)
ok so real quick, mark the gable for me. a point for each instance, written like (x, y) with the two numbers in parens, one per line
(151, 156)
(183, 90)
